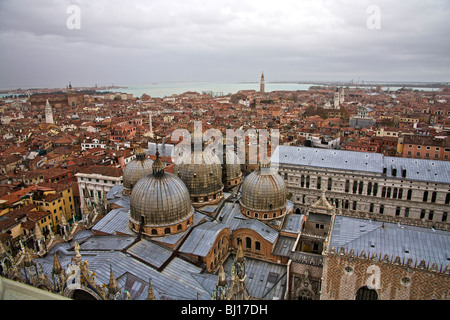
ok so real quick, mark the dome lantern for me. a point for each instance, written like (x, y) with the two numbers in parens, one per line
(158, 166)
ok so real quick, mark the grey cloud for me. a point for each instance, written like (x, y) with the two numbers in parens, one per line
(147, 41)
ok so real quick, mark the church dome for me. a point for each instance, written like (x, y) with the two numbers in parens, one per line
(160, 203)
(135, 170)
(263, 194)
(202, 175)
(232, 174)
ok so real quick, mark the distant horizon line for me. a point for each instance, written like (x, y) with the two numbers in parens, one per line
(319, 82)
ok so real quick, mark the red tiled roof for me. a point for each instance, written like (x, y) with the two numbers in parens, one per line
(5, 237)
(58, 187)
(10, 159)
(16, 196)
(103, 170)
(7, 223)
(28, 225)
(52, 197)
(36, 215)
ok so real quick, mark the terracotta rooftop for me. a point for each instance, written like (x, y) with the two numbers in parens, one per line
(28, 225)
(103, 170)
(16, 196)
(37, 215)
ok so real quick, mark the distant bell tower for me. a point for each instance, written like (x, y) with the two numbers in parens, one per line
(336, 99)
(262, 84)
(48, 113)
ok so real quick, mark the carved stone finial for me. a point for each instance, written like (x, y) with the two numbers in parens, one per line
(151, 293)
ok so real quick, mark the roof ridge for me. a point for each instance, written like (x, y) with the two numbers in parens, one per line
(364, 235)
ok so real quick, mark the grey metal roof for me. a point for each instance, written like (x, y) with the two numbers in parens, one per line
(134, 265)
(116, 221)
(115, 192)
(202, 238)
(150, 252)
(262, 229)
(116, 196)
(419, 169)
(293, 223)
(206, 280)
(182, 282)
(82, 235)
(264, 280)
(123, 202)
(231, 215)
(105, 243)
(416, 169)
(137, 287)
(209, 208)
(392, 239)
(176, 281)
(284, 246)
(174, 238)
(328, 158)
(62, 247)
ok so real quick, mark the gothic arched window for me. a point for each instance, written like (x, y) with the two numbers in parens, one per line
(248, 243)
(305, 294)
(364, 293)
(409, 195)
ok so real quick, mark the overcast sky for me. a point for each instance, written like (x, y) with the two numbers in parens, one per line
(145, 41)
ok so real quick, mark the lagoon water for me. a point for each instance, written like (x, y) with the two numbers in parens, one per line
(166, 89)
(161, 90)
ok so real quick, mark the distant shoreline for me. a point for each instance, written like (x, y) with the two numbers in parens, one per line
(114, 88)
(382, 84)
(51, 90)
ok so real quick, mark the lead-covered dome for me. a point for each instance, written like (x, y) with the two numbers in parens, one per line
(231, 173)
(135, 170)
(160, 203)
(201, 172)
(263, 194)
